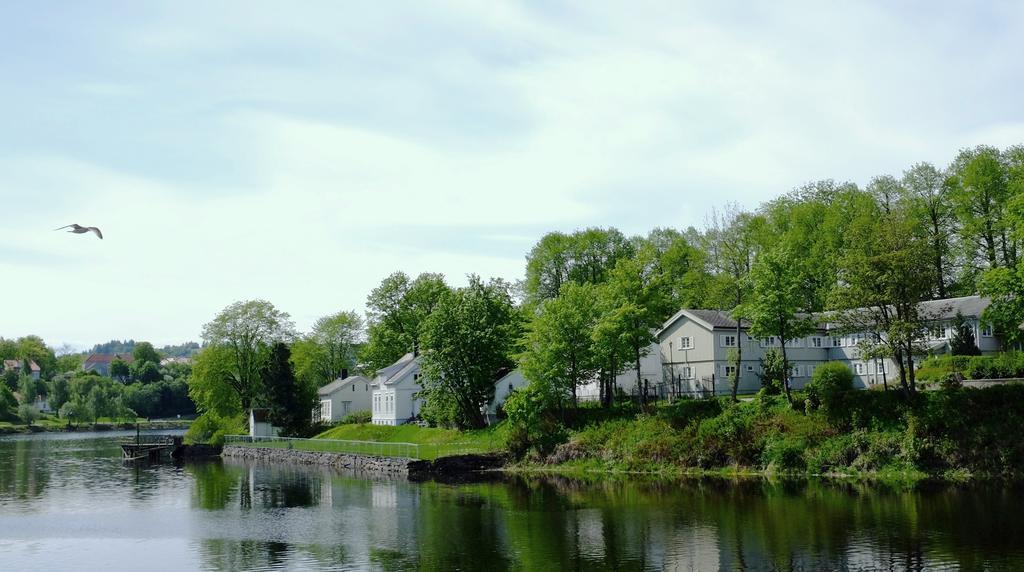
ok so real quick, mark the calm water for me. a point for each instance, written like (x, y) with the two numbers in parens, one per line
(67, 502)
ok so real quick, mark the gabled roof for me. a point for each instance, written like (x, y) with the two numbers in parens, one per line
(710, 319)
(340, 383)
(107, 358)
(16, 364)
(397, 370)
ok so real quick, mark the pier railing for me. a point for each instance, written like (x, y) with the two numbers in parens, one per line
(427, 451)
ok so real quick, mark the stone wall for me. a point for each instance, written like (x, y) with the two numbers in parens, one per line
(367, 463)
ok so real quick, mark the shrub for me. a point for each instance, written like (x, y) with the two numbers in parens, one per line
(357, 417)
(829, 385)
(212, 428)
(27, 413)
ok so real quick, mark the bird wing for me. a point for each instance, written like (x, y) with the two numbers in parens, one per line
(65, 226)
(97, 231)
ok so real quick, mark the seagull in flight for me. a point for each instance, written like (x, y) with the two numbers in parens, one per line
(79, 229)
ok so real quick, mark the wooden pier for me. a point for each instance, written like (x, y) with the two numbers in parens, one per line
(150, 447)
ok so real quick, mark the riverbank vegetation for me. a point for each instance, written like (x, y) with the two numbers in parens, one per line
(950, 434)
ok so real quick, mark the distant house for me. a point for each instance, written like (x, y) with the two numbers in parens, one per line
(173, 360)
(100, 363)
(16, 366)
(343, 396)
(395, 389)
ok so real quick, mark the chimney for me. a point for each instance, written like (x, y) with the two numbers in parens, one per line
(344, 373)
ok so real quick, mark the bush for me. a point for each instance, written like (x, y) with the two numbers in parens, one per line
(212, 428)
(28, 413)
(829, 385)
(356, 417)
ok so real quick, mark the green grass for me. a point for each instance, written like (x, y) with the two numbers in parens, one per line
(400, 441)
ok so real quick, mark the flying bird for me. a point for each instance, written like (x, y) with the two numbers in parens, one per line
(79, 229)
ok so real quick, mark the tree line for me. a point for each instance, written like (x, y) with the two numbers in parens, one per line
(591, 300)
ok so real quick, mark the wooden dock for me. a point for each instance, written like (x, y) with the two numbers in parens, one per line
(150, 447)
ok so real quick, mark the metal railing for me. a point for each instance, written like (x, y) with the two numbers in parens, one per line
(427, 451)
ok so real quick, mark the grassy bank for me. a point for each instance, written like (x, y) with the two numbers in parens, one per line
(431, 442)
(951, 434)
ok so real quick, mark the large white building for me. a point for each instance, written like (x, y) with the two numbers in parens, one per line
(695, 345)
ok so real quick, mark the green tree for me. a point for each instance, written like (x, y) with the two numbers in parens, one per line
(731, 245)
(69, 363)
(962, 343)
(395, 313)
(144, 351)
(120, 370)
(242, 333)
(560, 349)
(59, 391)
(584, 257)
(634, 305)
(145, 371)
(775, 309)
(28, 388)
(884, 275)
(32, 348)
(468, 340)
(929, 197)
(979, 193)
(8, 403)
(28, 413)
(329, 349)
(287, 402)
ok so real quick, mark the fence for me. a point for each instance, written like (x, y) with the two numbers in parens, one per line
(428, 451)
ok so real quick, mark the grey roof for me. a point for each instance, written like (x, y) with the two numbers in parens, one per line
(339, 383)
(969, 306)
(394, 371)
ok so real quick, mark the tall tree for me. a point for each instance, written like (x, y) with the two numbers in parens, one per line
(979, 194)
(468, 339)
(731, 246)
(329, 349)
(144, 351)
(288, 403)
(243, 333)
(777, 302)
(930, 200)
(885, 274)
(395, 313)
(560, 350)
(635, 303)
(584, 257)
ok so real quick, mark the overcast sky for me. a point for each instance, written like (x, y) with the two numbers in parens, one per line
(301, 152)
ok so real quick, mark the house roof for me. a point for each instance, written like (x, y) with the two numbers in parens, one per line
(340, 383)
(970, 306)
(395, 371)
(107, 358)
(16, 364)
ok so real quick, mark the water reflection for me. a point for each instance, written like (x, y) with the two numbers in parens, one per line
(234, 515)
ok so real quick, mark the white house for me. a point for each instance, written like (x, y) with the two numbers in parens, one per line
(395, 389)
(650, 370)
(343, 396)
(504, 387)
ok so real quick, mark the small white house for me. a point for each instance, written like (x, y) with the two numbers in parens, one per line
(504, 387)
(341, 397)
(396, 387)
(260, 426)
(650, 369)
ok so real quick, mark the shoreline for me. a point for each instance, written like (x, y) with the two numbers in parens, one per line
(83, 427)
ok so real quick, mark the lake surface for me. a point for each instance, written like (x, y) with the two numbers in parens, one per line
(68, 502)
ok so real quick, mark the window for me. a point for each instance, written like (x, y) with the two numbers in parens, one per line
(795, 371)
(768, 342)
(687, 372)
(837, 342)
(325, 409)
(729, 341)
(809, 370)
(796, 343)
(728, 371)
(859, 368)
(986, 330)
(879, 367)
(816, 342)
(750, 368)
(686, 343)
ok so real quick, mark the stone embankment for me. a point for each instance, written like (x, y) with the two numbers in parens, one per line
(381, 465)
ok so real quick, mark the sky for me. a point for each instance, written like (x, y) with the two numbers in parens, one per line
(301, 152)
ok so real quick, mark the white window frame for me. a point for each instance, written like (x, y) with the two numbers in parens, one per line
(686, 342)
(816, 342)
(796, 343)
(837, 342)
(687, 372)
(985, 330)
(724, 340)
(858, 368)
(794, 372)
(725, 371)
(769, 342)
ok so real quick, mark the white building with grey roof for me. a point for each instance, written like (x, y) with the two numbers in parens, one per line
(342, 397)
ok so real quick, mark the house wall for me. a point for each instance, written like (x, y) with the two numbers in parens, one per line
(502, 389)
(349, 398)
(395, 402)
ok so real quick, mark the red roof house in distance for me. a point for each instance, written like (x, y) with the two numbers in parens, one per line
(15, 366)
(100, 363)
